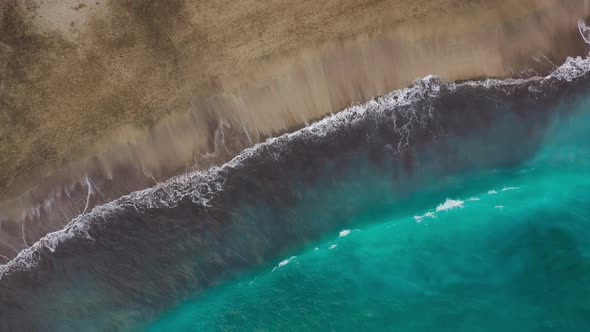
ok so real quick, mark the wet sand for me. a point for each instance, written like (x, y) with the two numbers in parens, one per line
(102, 98)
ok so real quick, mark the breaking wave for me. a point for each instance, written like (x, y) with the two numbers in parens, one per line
(246, 212)
(200, 187)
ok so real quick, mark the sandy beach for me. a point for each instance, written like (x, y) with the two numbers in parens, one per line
(100, 98)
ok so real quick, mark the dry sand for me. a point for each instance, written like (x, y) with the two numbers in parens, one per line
(109, 96)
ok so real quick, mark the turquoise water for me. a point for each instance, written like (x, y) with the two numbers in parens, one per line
(509, 251)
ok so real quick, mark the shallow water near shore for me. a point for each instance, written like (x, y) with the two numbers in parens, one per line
(509, 249)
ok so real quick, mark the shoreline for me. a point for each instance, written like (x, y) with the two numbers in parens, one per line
(201, 187)
(277, 95)
(204, 214)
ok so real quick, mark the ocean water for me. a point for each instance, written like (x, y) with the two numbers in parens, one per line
(442, 206)
(508, 250)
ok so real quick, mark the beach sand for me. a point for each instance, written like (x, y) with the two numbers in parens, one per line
(100, 98)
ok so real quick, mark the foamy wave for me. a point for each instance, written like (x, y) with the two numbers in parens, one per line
(426, 215)
(584, 30)
(450, 204)
(284, 262)
(201, 187)
(344, 233)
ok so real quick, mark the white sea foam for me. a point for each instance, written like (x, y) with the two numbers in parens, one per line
(510, 188)
(492, 192)
(450, 204)
(332, 246)
(426, 215)
(201, 186)
(284, 262)
(344, 232)
(474, 199)
(584, 30)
